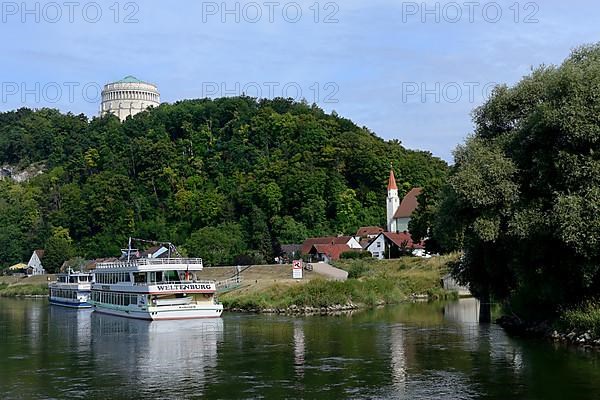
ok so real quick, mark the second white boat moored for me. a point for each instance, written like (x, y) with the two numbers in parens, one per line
(71, 289)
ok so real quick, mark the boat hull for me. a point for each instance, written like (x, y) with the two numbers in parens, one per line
(69, 304)
(161, 315)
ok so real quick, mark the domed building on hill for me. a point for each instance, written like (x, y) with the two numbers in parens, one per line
(128, 97)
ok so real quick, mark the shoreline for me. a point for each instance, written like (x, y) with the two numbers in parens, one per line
(337, 309)
(545, 330)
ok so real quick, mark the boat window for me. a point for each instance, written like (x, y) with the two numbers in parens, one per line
(139, 277)
(171, 276)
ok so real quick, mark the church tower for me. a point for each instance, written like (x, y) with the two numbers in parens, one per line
(393, 202)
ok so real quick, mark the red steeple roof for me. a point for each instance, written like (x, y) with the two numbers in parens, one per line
(392, 181)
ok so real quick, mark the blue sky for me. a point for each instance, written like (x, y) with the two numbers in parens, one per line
(411, 71)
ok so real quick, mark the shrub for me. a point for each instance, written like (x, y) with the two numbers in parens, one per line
(583, 318)
(355, 255)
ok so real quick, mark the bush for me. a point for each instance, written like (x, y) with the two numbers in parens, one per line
(357, 270)
(583, 318)
(355, 255)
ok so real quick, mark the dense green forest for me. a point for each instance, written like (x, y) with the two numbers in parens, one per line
(225, 178)
(523, 197)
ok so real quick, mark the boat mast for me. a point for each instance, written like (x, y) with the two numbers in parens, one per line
(129, 249)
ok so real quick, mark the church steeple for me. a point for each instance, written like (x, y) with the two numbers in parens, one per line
(392, 181)
(393, 202)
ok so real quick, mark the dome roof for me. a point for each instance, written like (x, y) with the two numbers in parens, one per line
(130, 79)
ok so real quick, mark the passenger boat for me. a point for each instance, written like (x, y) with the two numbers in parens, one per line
(71, 289)
(154, 288)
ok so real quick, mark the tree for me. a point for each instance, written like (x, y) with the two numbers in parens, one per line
(217, 245)
(58, 249)
(289, 231)
(347, 210)
(523, 197)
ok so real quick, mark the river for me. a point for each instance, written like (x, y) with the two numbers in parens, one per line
(412, 351)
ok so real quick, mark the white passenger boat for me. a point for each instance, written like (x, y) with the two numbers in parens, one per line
(71, 289)
(154, 288)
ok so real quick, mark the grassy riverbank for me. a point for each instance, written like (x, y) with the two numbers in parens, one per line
(585, 318)
(11, 286)
(7, 290)
(370, 283)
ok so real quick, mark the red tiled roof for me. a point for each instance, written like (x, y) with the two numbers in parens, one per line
(409, 204)
(369, 230)
(333, 251)
(392, 181)
(403, 239)
(342, 239)
(308, 243)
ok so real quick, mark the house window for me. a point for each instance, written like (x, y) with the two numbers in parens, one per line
(378, 245)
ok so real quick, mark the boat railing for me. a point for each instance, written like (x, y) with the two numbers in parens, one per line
(174, 283)
(192, 262)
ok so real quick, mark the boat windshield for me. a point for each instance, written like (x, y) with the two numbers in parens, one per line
(143, 278)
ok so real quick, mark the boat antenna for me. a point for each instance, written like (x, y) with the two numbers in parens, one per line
(129, 249)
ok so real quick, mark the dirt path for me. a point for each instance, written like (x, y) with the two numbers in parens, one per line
(329, 271)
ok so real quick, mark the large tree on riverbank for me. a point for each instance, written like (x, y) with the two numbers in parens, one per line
(523, 198)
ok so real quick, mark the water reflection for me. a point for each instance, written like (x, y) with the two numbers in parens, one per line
(158, 356)
(299, 349)
(463, 311)
(412, 351)
(73, 327)
(399, 360)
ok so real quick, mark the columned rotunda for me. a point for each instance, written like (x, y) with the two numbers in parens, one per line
(128, 96)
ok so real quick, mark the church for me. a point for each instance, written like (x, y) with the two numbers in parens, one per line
(400, 212)
(396, 241)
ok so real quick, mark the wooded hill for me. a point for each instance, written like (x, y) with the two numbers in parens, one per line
(227, 178)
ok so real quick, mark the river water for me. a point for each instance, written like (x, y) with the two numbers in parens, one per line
(413, 351)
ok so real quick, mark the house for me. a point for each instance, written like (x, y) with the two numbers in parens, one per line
(393, 245)
(369, 232)
(400, 213)
(34, 266)
(328, 252)
(365, 234)
(350, 241)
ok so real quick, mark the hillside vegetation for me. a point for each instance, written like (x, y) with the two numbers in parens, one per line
(231, 179)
